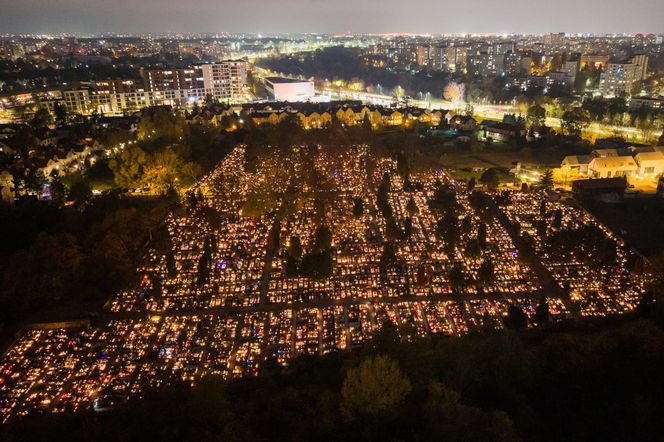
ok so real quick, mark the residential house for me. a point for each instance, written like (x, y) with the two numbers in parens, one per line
(650, 163)
(577, 163)
(503, 132)
(609, 167)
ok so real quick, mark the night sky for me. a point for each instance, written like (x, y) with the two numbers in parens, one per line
(332, 16)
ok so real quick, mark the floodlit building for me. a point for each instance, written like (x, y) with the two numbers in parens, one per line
(288, 89)
(610, 167)
(226, 80)
(578, 163)
(650, 163)
(423, 55)
(618, 78)
(457, 58)
(171, 79)
(439, 57)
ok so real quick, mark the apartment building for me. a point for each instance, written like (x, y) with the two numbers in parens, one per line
(618, 78)
(224, 81)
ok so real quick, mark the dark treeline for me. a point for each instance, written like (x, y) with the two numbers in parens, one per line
(348, 64)
(71, 258)
(542, 385)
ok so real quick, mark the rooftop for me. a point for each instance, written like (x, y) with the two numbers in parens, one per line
(275, 80)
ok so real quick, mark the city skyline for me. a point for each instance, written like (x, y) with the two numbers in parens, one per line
(294, 16)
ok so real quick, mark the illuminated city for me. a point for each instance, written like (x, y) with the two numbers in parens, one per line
(446, 234)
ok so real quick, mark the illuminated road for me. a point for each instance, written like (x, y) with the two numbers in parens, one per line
(486, 111)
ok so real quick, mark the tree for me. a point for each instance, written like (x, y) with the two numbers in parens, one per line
(411, 207)
(486, 272)
(209, 101)
(516, 318)
(542, 312)
(392, 230)
(166, 171)
(387, 211)
(443, 200)
(447, 228)
(376, 389)
(473, 248)
(7, 187)
(557, 219)
(471, 184)
(208, 405)
(46, 273)
(617, 108)
(646, 304)
(323, 239)
(317, 265)
(574, 120)
(60, 113)
(457, 278)
(385, 339)
(388, 256)
(408, 227)
(127, 167)
(366, 122)
(259, 201)
(490, 178)
(446, 417)
(466, 225)
(481, 235)
(596, 107)
(656, 271)
(546, 180)
(295, 248)
(57, 192)
(453, 91)
(80, 191)
(160, 123)
(358, 207)
(42, 118)
(536, 115)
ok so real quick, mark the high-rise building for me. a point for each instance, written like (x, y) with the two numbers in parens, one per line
(503, 47)
(482, 64)
(570, 68)
(226, 79)
(170, 79)
(439, 57)
(457, 58)
(11, 50)
(641, 60)
(517, 64)
(618, 78)
(423, 55)
(554, 40)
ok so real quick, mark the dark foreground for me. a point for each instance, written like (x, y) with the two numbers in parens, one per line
(592, 382)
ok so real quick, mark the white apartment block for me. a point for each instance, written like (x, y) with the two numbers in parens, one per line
(225, 81)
